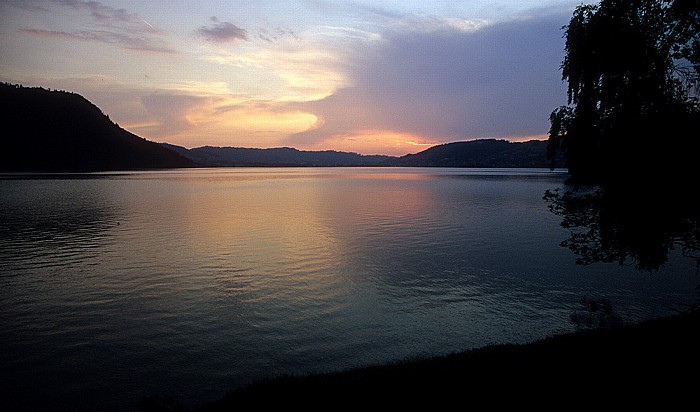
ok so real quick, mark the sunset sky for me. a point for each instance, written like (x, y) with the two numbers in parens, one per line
(374, 77)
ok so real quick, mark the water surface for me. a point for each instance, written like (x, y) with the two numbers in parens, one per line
(189, 283)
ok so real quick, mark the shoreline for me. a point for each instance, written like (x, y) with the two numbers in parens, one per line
(653, 361)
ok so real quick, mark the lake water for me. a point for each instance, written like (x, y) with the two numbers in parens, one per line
(190, 283)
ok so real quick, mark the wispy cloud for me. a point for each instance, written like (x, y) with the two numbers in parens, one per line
(222, 31)
(356, 9)
(100, 24)
(33, 5)
(189, 120)
(124, 40)
(99, 11)
(270, 35)
(172, 111)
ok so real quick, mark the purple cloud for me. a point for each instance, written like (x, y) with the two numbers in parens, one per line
(222, 31)
(115, 26)
(99, 11)
(501, 80)
(126, 41)
(114, 19)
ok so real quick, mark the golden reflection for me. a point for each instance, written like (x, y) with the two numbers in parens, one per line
(399, 196)
(266, 232)
(292, 230)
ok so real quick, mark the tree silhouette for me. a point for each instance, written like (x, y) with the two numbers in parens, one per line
(632, 73)
(632, 68)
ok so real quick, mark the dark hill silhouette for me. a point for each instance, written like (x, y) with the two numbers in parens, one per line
(477, 153)
(483, 153)
(56, 131)
(282, 156)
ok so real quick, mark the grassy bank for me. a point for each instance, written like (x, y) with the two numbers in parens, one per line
(650, 364)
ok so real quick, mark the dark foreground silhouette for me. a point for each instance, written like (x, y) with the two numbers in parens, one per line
(653, 363)
(633, 74)
(55, 131)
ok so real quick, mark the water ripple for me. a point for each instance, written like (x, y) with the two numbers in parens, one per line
(188, 283)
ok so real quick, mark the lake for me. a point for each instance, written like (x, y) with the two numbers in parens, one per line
(189, 283)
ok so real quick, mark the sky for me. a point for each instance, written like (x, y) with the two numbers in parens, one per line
(372, 77)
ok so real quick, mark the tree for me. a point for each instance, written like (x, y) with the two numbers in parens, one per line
(632, 70)
(632, 73)
(685, 29)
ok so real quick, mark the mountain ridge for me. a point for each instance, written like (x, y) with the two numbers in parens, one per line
(483, 153)
(228, 156)
(58, 131)
(473, 153)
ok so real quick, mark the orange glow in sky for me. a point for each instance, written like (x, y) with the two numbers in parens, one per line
(376, 141)
(371, 77)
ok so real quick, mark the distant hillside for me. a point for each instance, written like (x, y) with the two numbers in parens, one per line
(55, 131)
(482, 153)
(477, 153)
(283, 156)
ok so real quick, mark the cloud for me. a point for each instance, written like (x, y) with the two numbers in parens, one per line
(172, 111)
(106, 24)
(270, 35)
(222, 31)
(188, 120)
(289, 69)
(103, 14)
(99, 11)
(126, 41)
(32, 5)
(356, 10)
(449, 83)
